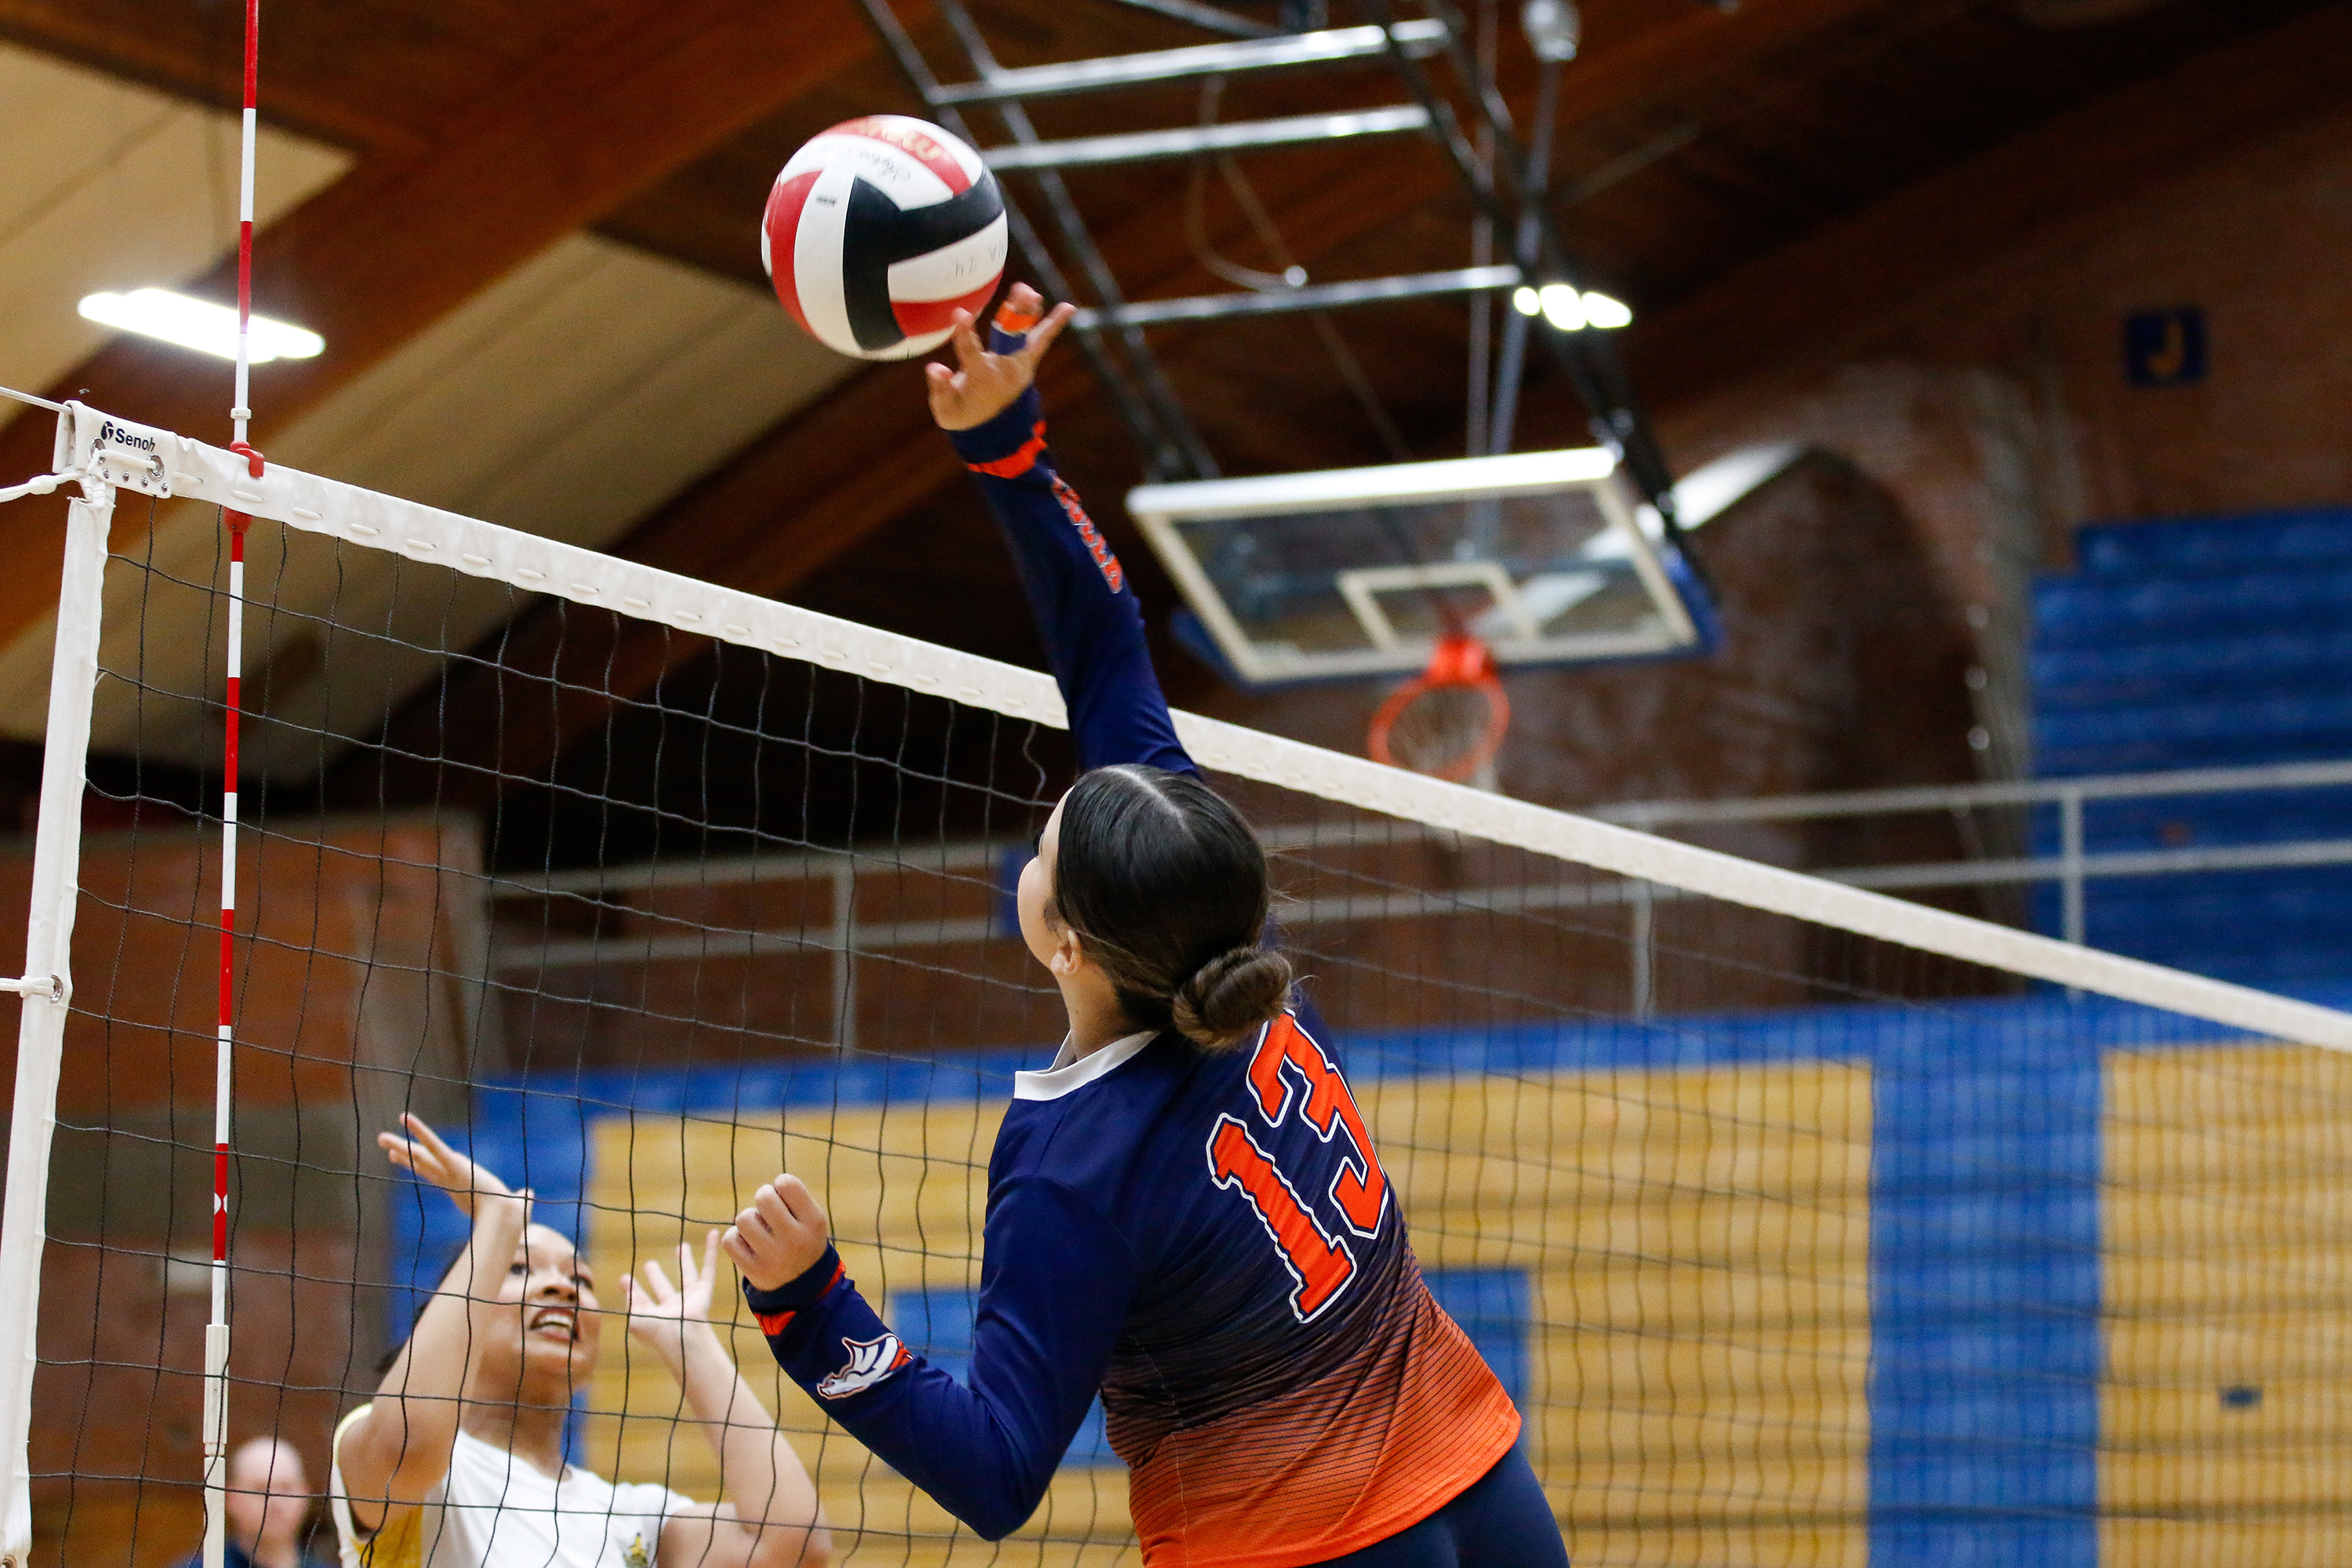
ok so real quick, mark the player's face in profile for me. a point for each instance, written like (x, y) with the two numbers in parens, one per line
(1034, 892)
(555, 1319)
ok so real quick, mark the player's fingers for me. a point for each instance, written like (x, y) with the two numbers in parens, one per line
(423, 1133)
(709, 1253)
(968, 350)
(1047, 331)
(657, 1282)
(732, 1244)
(754, 1226)
(796, 1196)
(774, 1208)
(1021, 299)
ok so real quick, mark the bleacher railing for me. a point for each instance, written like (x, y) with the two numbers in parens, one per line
(2073, 868)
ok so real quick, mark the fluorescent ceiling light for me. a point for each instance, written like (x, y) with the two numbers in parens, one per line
(1561, 307)
(1606, 314)
(198, 325)
(1570, 311)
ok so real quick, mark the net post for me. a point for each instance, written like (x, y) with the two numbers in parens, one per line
(216, 1416)
(215, 1428)
(41, 1027)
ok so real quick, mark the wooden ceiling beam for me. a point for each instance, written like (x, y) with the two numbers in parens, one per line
(191, 50)
(399, 242)
(830, 477)
(1813, 304)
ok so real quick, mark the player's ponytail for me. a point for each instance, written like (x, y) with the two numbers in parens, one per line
(1166, 887)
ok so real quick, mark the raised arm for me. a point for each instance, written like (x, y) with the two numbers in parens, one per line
(1078, 594)
(397, 1449)
(767, 1516)
(1054, 1285)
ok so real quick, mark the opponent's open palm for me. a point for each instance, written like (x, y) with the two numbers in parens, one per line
(983, 384)
(661, 1314)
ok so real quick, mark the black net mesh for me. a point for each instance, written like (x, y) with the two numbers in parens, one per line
(1794, 1247)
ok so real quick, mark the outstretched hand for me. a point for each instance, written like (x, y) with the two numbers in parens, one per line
(662, 1314)
(983, 384)
(472, 1187)
(779, 1236)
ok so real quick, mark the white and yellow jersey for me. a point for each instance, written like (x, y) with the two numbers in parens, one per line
(493, 1510)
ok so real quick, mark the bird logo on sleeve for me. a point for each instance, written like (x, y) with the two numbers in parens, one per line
(870, 1361)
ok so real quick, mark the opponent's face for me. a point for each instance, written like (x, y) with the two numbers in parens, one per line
(1032, 896)
(551, 1349)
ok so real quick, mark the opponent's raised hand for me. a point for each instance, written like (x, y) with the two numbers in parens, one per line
(780, 1235)
(982, 385)
(661, 1314)
(423, 1154)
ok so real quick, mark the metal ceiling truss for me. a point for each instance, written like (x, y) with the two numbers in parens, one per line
(1110, 326)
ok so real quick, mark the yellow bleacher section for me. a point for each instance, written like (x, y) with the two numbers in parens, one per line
(1697, 1243)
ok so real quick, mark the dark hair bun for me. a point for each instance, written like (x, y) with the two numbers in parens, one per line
(1231, 994)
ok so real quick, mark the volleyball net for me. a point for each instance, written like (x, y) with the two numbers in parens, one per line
(1805, 1225)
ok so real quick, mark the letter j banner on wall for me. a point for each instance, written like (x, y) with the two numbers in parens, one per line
(2165, 347)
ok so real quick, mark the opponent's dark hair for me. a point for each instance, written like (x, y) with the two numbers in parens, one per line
(1166, 887)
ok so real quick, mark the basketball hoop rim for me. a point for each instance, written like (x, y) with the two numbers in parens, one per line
(1499, 723)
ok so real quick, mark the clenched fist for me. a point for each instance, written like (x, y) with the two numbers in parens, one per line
(779, 1236)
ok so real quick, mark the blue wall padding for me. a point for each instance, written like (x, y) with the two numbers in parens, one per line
(1985, 1337)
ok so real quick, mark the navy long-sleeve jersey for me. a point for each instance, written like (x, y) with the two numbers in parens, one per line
(1207, 1238)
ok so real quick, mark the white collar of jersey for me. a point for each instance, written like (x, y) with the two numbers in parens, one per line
(1065, 1075)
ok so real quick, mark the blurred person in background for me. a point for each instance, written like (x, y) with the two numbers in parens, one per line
(269, 1505)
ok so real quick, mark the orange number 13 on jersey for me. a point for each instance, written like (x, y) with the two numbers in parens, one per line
(1321, 1263)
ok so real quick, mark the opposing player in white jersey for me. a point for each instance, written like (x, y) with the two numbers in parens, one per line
(459, 1460)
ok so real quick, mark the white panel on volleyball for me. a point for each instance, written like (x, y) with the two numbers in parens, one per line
(159, 463)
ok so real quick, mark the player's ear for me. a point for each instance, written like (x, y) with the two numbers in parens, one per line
(1070, 955)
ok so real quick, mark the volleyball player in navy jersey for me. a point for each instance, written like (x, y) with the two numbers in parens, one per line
(1185, 1212)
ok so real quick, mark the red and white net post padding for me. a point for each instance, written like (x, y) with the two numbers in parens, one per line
(216, 1329)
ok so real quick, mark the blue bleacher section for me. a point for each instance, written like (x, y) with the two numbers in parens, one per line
(2208, 642)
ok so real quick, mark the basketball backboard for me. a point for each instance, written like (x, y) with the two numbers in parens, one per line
(1348, 573)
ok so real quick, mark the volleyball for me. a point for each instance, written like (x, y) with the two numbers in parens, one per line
(878, 230)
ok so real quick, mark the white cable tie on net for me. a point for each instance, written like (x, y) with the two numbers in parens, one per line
(48, 987)
(28, 397)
